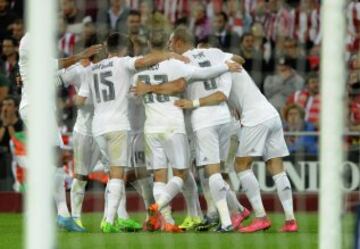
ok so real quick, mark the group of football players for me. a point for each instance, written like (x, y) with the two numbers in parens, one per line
(144, 115)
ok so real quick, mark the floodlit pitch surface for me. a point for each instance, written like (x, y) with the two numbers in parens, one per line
(11, 235)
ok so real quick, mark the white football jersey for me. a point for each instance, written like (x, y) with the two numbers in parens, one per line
(207, 116)
(136, 115)
(246, 97)
(24, 48)
(75, 76)
(108, 83)
(162, 116)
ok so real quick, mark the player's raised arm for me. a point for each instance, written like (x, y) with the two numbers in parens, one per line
(203, 73)
(67, 62)
(156, 57)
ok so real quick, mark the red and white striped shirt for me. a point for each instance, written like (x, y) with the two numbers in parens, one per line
(67, 44)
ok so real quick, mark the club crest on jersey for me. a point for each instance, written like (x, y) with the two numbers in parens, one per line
(200, 55)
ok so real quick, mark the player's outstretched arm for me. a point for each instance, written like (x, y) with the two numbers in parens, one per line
(213, 99)
(67, 62)
(154, 58)
(203, 73)
(170, 88)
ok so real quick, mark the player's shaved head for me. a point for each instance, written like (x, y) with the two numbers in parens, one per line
(116, 42)
(183, 34)
(158, 39)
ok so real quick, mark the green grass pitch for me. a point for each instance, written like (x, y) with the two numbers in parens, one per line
(11, 236)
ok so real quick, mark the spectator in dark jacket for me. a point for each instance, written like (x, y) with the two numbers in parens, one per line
(7, 17)
(294, 122)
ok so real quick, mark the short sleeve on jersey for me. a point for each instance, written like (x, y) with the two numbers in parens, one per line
(70, 75)
(130, 63)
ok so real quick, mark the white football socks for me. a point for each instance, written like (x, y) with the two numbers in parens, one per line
(218, 192)
(251, 187)
(59, 193)
(172, 188)
(77, 193)
(233, 202)
(285, 194)
(121, 212)
(144, 187)
(191, 196)
(115, 192)
(158, 189)
(211, 208)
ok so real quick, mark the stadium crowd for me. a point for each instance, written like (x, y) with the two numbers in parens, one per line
(280, 41)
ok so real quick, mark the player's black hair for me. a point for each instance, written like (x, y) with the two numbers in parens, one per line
(134, 13)
(224, 15)
(158, 39)
(116, 42)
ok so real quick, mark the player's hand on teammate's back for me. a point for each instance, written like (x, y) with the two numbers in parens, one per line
(184, 103)
(233, 66)
(140, 88)
(90, 51)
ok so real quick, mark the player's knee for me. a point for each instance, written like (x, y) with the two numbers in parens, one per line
(160, 175)
(182, 173)
(242, 163)
(275, 166)
(117, 172)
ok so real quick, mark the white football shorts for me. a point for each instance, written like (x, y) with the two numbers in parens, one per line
(212, 144)
(114, 147)
(265, 140)
(137, 150)
(166, 150)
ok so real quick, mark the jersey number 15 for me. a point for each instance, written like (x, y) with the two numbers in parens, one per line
(107, 91)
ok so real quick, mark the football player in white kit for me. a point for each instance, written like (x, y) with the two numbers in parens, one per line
(211, 124)
(261, 135)
(165, 136)
(64, 219)
(108, 83)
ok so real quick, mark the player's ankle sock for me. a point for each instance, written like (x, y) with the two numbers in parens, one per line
(172, 188)
(60, 194)
(77, 193)
(121, 212)
(211, 209)
(115, 190)
(233, 202)
(252, 190)
(285, 194)
(218, 192)
(158, 189)
(144, 187)
(191, 196)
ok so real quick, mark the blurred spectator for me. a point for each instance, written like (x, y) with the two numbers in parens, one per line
(4, 86)
(17, 30)
(113, 19)
(353, 27)
(278, 87)
(10, 123)
(254, 62)
(309, 99)
(239, 19)
(67, 40)
(294, 122)
(72, 16)
(222, 37)
(294, 51)
(354, 100)
(88, 35)
(307, 22)
(136, 32)
(200, 24)
(7, 17)
(9, 61)
(17, 6)
(278, 22)
(261, 44)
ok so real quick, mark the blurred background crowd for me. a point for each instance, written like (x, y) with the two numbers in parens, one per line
(280, 41)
